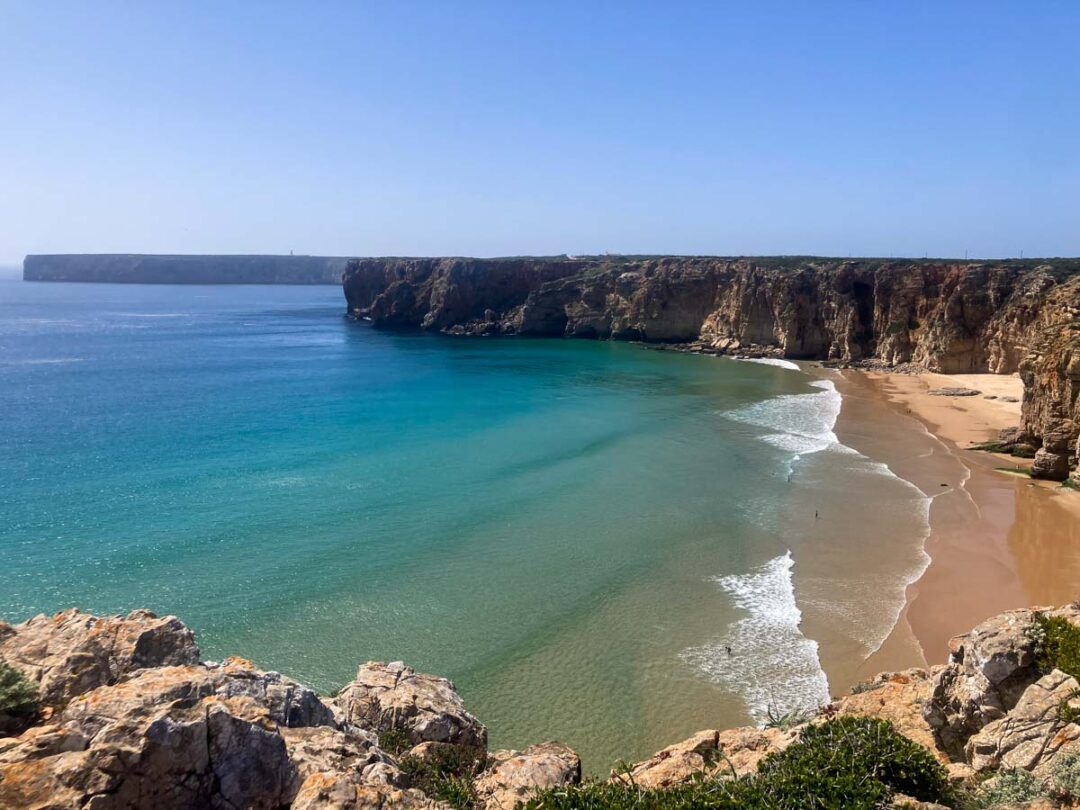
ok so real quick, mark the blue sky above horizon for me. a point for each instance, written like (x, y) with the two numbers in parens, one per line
(494, 128)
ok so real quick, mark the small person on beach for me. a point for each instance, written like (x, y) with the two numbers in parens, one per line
(728, 649)
(815, 514)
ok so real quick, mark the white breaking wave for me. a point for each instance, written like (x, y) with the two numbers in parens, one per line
(800, 423)
(771, 361)
(771, 663)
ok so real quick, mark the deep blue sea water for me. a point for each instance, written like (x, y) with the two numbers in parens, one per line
(571, 530)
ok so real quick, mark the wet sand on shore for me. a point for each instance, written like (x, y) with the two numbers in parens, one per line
(997, 541)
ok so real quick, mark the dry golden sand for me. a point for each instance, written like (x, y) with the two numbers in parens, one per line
(963, 421)
(997, 541)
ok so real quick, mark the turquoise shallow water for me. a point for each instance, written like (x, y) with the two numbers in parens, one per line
(567, 529)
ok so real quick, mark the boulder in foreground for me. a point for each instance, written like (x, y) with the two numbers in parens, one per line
(394, 697)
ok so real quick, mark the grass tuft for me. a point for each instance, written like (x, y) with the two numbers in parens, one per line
(785, 721)
(446, 773)
(867, 686)
(394, 741)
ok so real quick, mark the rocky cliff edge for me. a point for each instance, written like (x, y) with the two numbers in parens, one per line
(126, 715)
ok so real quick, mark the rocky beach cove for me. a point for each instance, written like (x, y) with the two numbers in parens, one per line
(955, 382)
(540, 406)
(919, 339)
(888, 378)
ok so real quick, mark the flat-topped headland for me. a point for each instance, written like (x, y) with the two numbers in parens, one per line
(135, 268)
(947, 316)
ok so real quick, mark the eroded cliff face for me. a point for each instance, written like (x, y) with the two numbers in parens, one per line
(949, 317)
(1051, 375)
(442, 294)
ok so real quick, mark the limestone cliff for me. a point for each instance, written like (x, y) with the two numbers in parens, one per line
(1051, 374)
(951, 317)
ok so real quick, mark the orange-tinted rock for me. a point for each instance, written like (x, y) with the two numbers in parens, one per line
(426, 708)
(734, 752)
(898, 697)
(71, 652)
(512, 776)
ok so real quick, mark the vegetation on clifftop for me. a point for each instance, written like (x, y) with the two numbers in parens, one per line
(855, 763)
(1058, 645)
(446, 773)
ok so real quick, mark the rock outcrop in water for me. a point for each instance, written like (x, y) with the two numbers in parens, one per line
(129, 717)
(952, 317)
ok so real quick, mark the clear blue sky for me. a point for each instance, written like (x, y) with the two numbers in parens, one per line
(457, 127)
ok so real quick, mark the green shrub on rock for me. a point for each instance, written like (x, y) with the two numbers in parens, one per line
(847, 756)
(1058, 645)
(394, 741)
(704, 793)
(18, 697)
(848, 763)
(1065, 775)
(1010, 786)
(445, 773)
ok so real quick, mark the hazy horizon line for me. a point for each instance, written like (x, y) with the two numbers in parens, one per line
(19, 263)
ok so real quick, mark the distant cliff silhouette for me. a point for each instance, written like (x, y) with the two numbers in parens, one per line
(133, 268)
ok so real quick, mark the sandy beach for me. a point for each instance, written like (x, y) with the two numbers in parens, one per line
(997, 540)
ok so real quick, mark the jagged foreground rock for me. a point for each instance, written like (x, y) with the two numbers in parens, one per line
(994, 706)
(512, 775)
(999, 317)
(733, 752)
(423, 707)
(131, 718)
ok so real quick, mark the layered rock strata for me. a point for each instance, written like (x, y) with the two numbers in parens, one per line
(951, 317)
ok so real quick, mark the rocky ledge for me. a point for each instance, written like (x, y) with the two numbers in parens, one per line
(125, 715)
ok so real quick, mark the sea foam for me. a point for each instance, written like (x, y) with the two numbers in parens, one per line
(772, 361)
(772, 665)
(798, 423)
(801, 424)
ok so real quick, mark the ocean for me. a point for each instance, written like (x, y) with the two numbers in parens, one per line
(598, 542)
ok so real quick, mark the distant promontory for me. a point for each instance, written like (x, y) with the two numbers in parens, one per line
(135, 268)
